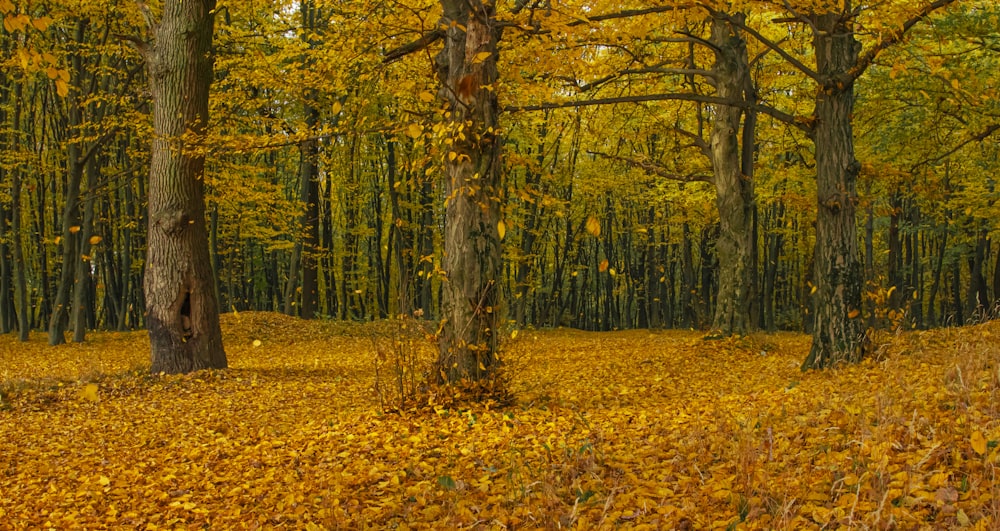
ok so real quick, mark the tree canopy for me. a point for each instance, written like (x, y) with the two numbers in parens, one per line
(677, 165)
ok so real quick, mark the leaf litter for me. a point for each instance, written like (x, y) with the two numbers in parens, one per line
(636, 429)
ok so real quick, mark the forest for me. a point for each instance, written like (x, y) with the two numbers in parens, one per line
(527, 239)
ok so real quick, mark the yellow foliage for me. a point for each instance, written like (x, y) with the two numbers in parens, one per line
(638, 429)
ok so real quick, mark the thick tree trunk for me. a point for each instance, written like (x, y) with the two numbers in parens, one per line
(182, 312)
(838, 334)
(471, 294)
(734, 189)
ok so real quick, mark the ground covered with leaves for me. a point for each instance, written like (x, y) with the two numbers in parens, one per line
(639, 429)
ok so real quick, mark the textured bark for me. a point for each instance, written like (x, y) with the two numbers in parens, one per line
(734, 188)
(182, 312)
(838, 334)
(470, 294)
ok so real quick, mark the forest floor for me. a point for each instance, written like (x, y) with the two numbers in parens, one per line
(637, 429)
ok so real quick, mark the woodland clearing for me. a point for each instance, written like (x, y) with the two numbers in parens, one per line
(636, 429)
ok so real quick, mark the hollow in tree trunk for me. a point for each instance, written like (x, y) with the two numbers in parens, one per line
(182, 312)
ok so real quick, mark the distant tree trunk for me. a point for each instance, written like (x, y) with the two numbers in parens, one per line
(734, 188)
(978, 299)
(996, 284)
(425, 253)
(182, 312)
(402, 239)
(81, 315)
(837, 329)
(70, 233)
(7, 311)
(16, 226)
(303, 260)
(470, 306)
(688, 287)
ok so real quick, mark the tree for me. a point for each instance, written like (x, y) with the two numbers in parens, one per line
(182, 311)
(467, 72)
(732, 166)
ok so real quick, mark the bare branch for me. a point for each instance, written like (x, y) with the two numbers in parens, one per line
(424, 41)
(978, 137)
(654, 168)
(803, 124)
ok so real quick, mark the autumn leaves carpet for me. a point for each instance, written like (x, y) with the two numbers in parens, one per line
(638, 429)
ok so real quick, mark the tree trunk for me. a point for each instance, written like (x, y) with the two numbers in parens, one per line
(70, 233)
(17, 250)
(978, 299)
(837, 328)
(83, 288)
(471, 294)
(734, 189)
(182, 312)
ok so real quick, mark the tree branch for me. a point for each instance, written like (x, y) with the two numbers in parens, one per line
(653, 168)
(774, 46)
(894, 37)
(803, 124)
(978, 137)
(424, 41)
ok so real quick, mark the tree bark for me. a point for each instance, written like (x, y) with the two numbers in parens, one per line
(182, 312)
(838, 334)
(471, 295)
(734, 188)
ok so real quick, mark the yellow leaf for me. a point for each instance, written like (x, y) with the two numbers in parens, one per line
(104, 481)
(603, 266)
(414, 131)
(853, 313)
(74, 229)
(513, 335)
(42, 23)
(593, 226)
(257, 343)
(337, 107)
(62, 88)
(94, 240)
(89, 392)
(426, 97)
(978, 442)
(501, 229)
(481, 56)
(813, 290)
